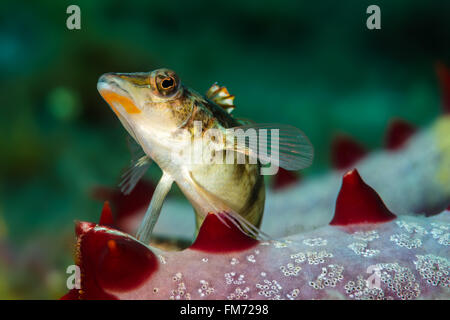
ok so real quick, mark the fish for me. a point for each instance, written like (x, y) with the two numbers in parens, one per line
(167, 119)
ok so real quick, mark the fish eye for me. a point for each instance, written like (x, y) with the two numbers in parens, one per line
(165, 82)
(168, 83)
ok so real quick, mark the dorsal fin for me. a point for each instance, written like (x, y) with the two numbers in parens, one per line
(221, 97)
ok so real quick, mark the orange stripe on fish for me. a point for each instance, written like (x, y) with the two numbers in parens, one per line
(125, 102)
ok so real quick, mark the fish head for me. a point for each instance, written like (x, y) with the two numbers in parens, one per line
(151, 101)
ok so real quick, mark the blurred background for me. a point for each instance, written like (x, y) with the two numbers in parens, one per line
(311, 64)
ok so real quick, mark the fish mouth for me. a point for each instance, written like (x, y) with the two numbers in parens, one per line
(112, 88)
(113, 83)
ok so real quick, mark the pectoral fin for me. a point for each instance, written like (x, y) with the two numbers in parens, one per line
(134, 173)
(283, 145)
(139, 165)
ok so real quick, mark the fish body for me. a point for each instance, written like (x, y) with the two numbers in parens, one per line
(239, 186)
(164, 117)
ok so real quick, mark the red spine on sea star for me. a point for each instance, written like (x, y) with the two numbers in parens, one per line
(106, 218)
(126, 206)
(216, 237)
(345, 152)
(444, 78)
(285, 178)
(109, 262)
(358, 203)
(398, 133)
